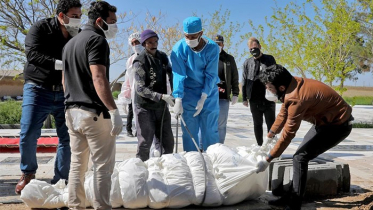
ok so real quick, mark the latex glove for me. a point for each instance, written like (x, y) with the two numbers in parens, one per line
(200, 103)
(116, 121)
(168, 99)
(246, 103)
(178, 107)
(234, 100)
(125, 108)
(262, 166)
(58, 65)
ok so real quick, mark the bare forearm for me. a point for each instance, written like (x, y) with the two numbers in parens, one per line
(103, 91)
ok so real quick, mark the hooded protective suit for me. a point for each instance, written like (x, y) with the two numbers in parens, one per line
(195, 73)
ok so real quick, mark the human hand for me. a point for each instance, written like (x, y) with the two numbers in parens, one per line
(168, 99)
(262, 166)
(116, 121)
(200, 103)
(234, 100)
(246, 103)
(178, 107)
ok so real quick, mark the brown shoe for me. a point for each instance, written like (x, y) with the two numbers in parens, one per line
(23, 181)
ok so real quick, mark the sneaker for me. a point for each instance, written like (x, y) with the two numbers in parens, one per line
(23, 181)
(129, 134)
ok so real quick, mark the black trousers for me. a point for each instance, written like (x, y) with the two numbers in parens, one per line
(149, 127)
(129, 119)
(258, 109)
(318, 140)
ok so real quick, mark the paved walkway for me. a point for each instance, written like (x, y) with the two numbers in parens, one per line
(356, 150)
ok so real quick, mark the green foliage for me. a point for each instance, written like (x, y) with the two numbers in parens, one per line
(320, 44)
(362, 125)
(359, 100)
(115, 94)
(10, 112)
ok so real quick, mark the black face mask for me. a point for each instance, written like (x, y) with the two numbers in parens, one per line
(255, 52)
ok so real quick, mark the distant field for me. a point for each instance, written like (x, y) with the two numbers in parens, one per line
(358, 91)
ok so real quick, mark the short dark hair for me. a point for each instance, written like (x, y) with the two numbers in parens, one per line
(100, 9)
(277, 75)
(64, 5)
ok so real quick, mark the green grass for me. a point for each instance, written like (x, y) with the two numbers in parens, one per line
(359, 100)
(363, 125)
(10, 112)
(115, 94)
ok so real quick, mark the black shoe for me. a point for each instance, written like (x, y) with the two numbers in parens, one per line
(282, 201)
(129, 134)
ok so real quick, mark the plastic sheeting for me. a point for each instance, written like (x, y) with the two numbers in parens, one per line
(170, 181)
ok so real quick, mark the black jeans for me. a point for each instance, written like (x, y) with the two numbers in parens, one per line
(318, 140)
(258, 109)
(129, 119)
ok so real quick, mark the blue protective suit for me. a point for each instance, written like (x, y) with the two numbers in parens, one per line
(194, 73)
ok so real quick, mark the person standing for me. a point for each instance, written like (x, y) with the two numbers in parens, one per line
(153, 117)
(91, 113)
(126, 97)
(195, 70)
(228, 85)
(254, 91)
(311, 101)
(42, 91)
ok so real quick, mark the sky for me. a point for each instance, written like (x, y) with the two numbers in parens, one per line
(241, 11)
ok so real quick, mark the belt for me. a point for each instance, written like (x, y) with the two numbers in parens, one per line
(48, 87)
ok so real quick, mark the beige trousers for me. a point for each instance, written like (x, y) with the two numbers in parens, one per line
(90, 136)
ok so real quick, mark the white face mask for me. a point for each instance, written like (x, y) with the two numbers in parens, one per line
(270, 96)
(73, 26)
(220, 48)
(192, 43)
(137, 48)
(112, 30)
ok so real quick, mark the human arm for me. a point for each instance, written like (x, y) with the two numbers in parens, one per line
(178, 72)
(289, 120)
(211, 71)
(35, 43)
(140, 86)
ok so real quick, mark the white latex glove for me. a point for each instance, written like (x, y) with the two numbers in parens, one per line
(262, 166)
(125, 108)
(116, 121)
(234, 100)
(268, 140)
(200, 103)
(168, 99)
(178, 107)
(58, 65)
(246, 103)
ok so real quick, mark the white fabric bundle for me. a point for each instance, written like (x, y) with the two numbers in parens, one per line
(195, 163)
(170, 182)
(40, 194)
(133, 174)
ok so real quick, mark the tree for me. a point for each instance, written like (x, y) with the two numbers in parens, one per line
(319, 45)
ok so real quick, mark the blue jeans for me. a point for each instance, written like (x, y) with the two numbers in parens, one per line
(223, 117)
(37, 104)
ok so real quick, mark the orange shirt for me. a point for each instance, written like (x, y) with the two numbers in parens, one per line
(309, 100)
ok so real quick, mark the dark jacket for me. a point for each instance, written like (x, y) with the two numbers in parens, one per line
(231, 73)
(248, 73)
(150, 77)
(311, 101)
(44, 43)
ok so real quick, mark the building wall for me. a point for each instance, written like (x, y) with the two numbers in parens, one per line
(10, 87)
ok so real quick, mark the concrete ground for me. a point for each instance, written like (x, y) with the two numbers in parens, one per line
(356, 150)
